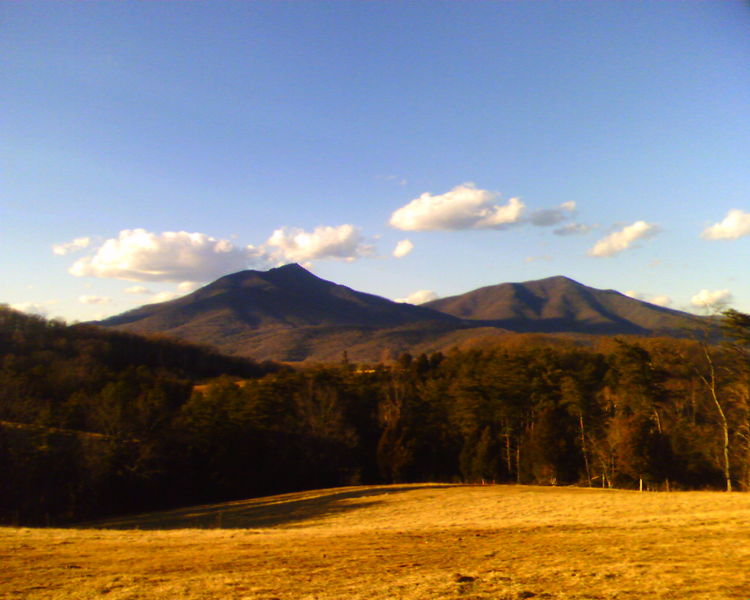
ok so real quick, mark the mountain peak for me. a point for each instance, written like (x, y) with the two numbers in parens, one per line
(289, 268)
(284, 275)
(554, 279)
(291, 271)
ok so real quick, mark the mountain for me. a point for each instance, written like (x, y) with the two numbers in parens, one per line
(285, 313)
(289, 314)
(560, 304)
(287, 296)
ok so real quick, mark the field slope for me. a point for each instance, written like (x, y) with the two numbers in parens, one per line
(416, 541)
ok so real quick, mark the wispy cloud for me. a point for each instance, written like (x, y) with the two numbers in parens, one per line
(137, 290)
(183, 287)
(396, 179)
(547, 217)
(541, 257)
(68, 247)
(573, 229)
(735, 225)
(463, 207)
(621, 240)
(94, 299)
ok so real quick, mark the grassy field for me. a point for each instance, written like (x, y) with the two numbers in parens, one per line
(411, 542)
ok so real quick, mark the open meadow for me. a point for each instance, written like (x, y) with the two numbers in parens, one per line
(400, 541)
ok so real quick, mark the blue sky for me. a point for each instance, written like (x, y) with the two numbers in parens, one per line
(149, 147)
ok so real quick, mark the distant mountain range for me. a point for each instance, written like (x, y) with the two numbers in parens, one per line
(289, 314)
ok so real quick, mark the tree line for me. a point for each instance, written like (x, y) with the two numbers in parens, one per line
(96, 423)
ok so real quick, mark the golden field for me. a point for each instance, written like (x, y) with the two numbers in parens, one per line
(408, 541)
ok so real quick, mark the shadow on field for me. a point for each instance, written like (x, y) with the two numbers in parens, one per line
(256, 513)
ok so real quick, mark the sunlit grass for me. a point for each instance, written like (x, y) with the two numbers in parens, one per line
(411, 542)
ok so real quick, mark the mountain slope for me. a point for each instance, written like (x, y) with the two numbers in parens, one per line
(560, 304)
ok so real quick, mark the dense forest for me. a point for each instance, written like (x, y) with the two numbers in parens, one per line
(94, 422)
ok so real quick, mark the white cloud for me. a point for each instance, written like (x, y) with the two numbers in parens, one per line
(187, 286)
(736, 224)
(94, 299)
(183, 287)
(403, 248)
(68, 247)
(34, 308)
(419, 297)
(621, 240)
(296, 245)
(140, 255)
(661, 300)
(100, 316)
(191, 258)
(137, 289)
(711, 298)
(463, 207)
(573, 229)
(163, 297)
(552, 216)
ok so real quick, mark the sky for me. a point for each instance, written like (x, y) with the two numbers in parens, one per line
(409, 149)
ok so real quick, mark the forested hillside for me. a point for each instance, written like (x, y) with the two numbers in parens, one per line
(99, 423)
(83, 411)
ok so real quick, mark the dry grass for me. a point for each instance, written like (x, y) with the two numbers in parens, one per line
(410, 542)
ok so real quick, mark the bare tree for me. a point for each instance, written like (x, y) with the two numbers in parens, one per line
(736, 327)
(708, 374)
(710, 381)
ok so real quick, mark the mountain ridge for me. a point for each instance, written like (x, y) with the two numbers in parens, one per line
(290, 314)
